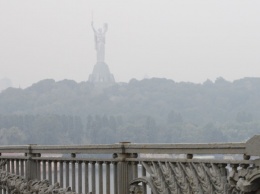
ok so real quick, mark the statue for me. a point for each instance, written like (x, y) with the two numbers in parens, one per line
(101, 73)
(100, 41)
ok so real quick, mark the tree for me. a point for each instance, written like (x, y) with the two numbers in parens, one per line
(12, 136)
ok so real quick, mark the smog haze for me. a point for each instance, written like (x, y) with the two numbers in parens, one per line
(179, 40)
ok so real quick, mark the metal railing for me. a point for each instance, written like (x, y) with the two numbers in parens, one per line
(110, 168)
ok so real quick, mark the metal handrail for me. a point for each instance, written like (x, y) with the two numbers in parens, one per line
(248, 148)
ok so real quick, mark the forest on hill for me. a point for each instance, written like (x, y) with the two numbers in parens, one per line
(151, 110)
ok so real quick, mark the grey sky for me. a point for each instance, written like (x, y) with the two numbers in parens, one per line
(184, 40)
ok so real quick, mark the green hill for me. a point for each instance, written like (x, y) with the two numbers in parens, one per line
(150, 110)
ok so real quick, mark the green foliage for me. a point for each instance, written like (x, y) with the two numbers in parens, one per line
(12, 136)
(150, 110)
(40, 129)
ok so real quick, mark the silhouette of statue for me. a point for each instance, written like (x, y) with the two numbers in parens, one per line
(101, 73)
(100, 41)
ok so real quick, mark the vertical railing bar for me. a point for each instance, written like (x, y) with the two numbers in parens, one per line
(12, 166)
(22, 167)
(100, 177)
(73, 177)
(79, 177)
(130, 170)
(135, 169)
(126, 173)
(143, 184)
(55, 172)
(107, 177)
(86, 178)
(44, 169)
(8, 166)
(50, 171)
(17, 169)
(1, 189)
(67, 174)
(4, 168)
(115, 178)
(61, 173)
(93, 175)
(39, 169)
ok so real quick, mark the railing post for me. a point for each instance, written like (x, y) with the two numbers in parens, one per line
(123, 171)
(31, 165)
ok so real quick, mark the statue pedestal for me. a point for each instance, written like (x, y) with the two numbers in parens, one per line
(101, 74)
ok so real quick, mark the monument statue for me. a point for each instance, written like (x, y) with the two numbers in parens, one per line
(100, 41)
(101, 73)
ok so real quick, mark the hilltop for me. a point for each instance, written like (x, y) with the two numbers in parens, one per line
(150, 110)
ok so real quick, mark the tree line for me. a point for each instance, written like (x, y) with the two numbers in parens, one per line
(151, 110)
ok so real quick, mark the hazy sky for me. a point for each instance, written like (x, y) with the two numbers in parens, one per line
(184, 40)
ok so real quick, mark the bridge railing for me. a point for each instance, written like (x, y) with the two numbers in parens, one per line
(114, 168)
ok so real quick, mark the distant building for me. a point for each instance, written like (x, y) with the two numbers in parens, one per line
(101, 73)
